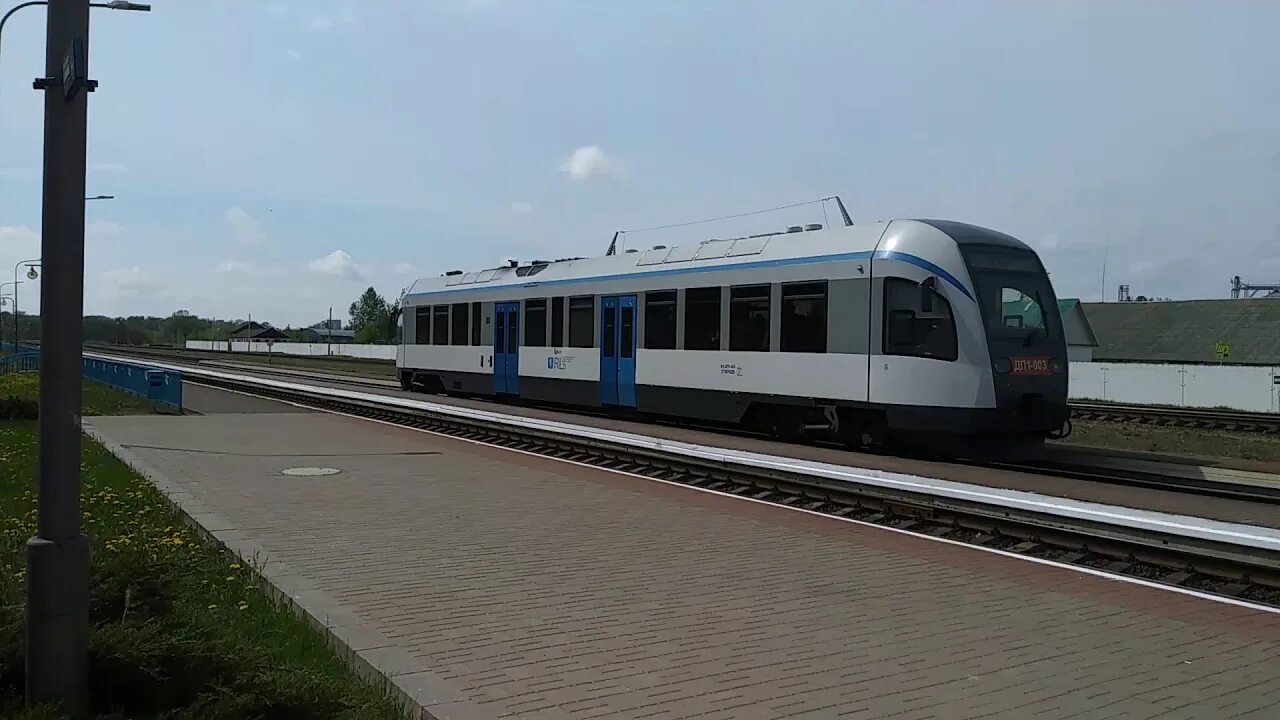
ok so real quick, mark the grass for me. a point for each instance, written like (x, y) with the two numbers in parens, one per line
(363, 367)
(1176, 440)
(180, 629)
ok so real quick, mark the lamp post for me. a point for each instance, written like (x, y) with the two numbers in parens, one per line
(57, 607)
(31, 275)
(115, 5)
(13, 306)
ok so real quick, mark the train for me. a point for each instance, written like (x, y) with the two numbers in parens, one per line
(861, 334)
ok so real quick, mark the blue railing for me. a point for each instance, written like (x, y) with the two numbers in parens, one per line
(21, 362)
(163, 387)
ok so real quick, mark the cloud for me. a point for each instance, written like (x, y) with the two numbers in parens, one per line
(234, 266)
(245, 227)
(103, 229)
(337, 264)
(590, 163)
(18, 234)
(344, 17)
(520, 207)
(404, 268)
(131, 281)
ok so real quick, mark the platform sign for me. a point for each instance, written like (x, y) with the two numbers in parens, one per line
(1223, 349)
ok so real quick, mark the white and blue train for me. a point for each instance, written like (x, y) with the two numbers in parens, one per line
(861, 332)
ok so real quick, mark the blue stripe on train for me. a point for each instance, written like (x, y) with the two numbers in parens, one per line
(782, 262)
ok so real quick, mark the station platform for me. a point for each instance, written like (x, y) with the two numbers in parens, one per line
(489, 583)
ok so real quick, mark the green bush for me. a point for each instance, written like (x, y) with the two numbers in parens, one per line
(13, 407)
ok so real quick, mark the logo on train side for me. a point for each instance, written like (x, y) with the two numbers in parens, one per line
(558, 360)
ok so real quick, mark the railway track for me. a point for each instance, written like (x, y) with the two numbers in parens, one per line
(1057, 468)
(1220, 568)
(1204, 418)
(1160, 415)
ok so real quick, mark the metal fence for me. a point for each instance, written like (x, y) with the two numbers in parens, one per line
(163, 387)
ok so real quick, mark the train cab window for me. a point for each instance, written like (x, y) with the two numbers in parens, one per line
(702, 319)
(475, 323)
(582, 321)
(804, 317)
(749, 318)
(440, 325)
(461, 314)
(660, 320)
(422, 325)
(535, 322)
(557, 322)
(910, 329)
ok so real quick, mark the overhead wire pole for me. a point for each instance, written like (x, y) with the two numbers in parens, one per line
(58, 556)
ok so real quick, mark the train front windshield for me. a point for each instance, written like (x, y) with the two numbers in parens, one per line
(1024, 333)
(1017, 301)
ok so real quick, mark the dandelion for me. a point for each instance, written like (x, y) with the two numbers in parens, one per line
(178, 541)
(213, 607)
(231, 578)
(242, 605)
(235, 566)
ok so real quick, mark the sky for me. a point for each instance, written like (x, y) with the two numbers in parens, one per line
(276, 158)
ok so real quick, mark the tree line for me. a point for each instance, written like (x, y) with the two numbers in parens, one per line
(373, 319)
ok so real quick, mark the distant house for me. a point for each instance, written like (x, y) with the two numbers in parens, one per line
(1188, 331)
(1075, 325)
(328, 331)
(257, 332)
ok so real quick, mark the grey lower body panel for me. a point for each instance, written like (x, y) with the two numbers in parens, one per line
(760, 409)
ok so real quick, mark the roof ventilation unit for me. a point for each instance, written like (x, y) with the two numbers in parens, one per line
(631, 250)
(451, 273)
(812, 226)
(794, 229)
(659, 247)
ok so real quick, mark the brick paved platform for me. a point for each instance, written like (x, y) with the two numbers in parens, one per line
(504, 585)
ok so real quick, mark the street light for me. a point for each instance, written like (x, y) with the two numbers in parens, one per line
(57, 602)
(101, 197)
(114, 5)
(13, 307)
(31, 264)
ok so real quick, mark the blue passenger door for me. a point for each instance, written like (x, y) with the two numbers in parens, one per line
(618, 350)
(506, 348)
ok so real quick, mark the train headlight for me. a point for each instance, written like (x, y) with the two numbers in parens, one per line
(1056, 366)
(1002, 366)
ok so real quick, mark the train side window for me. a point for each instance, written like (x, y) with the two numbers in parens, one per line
(557, 322)
(422, 325)
(475, 323)
(535, 322)
(749, 318)
(910, 330)
(702, 318)
(461, 314)
(804, 317)
(582, 321)
(440, 325)
(660, 320)
(627, 332)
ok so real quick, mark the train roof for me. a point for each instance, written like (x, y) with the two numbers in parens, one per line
(837, 242)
